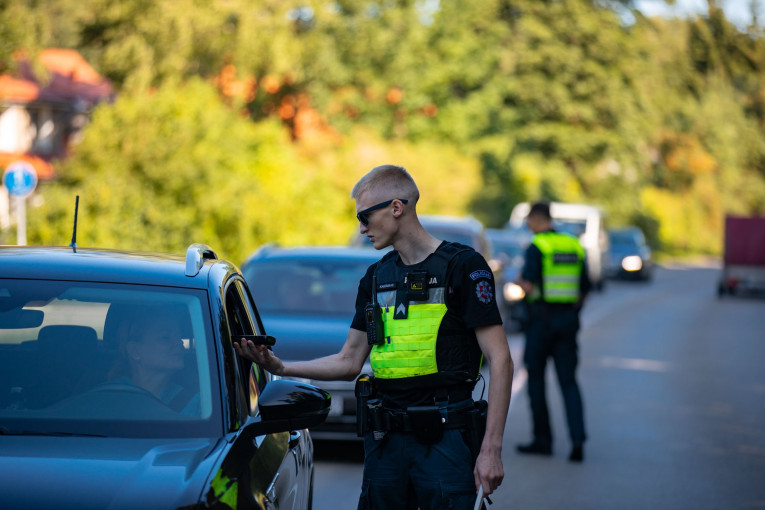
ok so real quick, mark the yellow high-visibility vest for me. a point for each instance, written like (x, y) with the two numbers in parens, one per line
(562, 266)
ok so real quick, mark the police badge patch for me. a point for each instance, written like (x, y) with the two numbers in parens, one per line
(484, 292)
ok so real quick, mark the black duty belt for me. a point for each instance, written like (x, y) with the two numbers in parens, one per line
(401, 422)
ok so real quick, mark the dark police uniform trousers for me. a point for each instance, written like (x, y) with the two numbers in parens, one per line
(551, 332)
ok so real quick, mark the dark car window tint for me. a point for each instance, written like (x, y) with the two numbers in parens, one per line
(241, 321)
(105, 356)
(305, 286)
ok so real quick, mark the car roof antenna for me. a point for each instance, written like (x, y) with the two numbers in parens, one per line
(73, 244)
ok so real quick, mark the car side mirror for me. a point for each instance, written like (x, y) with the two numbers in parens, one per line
(290, 405)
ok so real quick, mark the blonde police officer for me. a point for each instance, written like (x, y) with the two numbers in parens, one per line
(434, 319)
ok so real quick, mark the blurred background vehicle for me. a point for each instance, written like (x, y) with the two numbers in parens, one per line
(306, 298)
(743, 256)
(630, 256)
(508, 249)
(587, 222)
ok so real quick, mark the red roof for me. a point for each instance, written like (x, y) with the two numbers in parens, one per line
(70, 78)
(43, 168)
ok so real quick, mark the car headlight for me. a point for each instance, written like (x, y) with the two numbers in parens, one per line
(632, 263)
(513, 292)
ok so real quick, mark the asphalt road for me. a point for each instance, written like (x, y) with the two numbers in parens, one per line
(673, 381)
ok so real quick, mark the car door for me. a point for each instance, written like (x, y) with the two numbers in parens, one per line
(275, 468)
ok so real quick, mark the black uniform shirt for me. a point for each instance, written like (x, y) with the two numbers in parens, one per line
(473, 299)
(471, 304)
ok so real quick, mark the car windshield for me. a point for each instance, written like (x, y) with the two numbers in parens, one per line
(509, 248)
(305, 286)
(573, 227)
(105, 359)
(625, 238)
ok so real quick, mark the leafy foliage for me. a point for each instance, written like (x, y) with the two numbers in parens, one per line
(242, 122)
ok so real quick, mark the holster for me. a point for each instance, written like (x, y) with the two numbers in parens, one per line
(364, 390)
(476, 427)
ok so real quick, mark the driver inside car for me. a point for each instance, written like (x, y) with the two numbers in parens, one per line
(151, 354)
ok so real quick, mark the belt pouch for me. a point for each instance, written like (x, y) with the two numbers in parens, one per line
(427, 424)
(477, 426)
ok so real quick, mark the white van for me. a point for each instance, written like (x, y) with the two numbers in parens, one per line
(587, 222)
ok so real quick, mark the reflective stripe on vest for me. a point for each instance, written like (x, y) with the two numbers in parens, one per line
(562, 266)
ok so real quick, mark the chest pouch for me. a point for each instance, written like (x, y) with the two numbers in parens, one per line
(427, 424)
(417, 286)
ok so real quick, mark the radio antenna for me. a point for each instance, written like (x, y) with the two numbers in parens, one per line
(73, 244)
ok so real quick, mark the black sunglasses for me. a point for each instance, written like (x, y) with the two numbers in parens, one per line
(363, 216)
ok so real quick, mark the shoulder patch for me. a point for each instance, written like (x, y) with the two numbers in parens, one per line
(481, 273)
(484, 292)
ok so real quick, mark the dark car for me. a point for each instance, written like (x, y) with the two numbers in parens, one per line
(120, 388)
(306, 297)
(630, 255)
(509, 249)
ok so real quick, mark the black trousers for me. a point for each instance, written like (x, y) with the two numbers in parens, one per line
(552, 334)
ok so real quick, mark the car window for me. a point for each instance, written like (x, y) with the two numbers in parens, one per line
(574, 227)
(105, 357)
(241, 315)
(320, 286)
(509, 248)
(626, 238)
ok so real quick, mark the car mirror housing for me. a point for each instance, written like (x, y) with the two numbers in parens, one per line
(290, 405)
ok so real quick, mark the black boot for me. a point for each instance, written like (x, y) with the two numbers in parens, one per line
(577, 454)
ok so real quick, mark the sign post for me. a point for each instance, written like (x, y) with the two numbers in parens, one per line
(20, 179)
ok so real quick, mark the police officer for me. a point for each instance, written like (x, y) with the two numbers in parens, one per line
(556, 283)
(427, 313)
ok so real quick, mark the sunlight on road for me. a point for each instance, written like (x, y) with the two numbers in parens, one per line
(648, 365)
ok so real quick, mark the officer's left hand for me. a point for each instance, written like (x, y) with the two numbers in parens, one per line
(488, 471)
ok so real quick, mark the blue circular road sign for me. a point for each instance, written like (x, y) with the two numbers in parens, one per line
(20, 178)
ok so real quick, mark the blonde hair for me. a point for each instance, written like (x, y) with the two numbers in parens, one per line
(389, 177)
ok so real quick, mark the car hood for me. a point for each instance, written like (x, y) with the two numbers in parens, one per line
(305, 337)
(105, 473)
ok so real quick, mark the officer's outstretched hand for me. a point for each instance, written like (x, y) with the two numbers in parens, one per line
(260, 354)
(488, 471)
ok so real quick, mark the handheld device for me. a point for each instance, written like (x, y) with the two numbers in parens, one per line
(373, 318)
(259, 339)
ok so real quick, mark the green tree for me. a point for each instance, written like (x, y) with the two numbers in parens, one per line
(159, 171)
